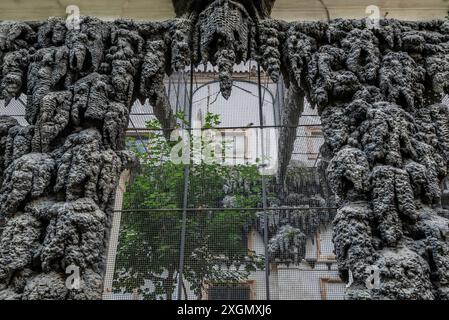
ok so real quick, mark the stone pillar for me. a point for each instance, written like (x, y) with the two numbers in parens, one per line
(114, 237)
(59, 173)
(378, 92)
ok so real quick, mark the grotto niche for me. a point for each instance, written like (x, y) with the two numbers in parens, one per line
(378, 91)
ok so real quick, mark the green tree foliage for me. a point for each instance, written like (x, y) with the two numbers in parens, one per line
(150, 237)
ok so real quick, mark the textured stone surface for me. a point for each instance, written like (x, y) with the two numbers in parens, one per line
(289, 229)
(259, 8)
(378, 93)
(27, 177)
(377, 90)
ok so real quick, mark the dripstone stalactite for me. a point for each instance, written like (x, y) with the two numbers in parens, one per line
(378, 92)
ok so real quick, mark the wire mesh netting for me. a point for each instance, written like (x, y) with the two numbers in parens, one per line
(222, 225)
(224, 256)
(226, 229)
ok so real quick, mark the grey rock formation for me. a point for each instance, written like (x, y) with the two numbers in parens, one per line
(59, 174)
(377, 90)
(6, 123)
(28, 176)
(224, 36)
(297, 216)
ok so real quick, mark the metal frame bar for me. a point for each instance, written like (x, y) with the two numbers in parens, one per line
(185, 197)
(264, 186)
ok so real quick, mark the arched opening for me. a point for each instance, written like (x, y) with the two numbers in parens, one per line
(224, 205)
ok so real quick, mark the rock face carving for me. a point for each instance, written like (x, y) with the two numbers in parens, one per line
(377, 90)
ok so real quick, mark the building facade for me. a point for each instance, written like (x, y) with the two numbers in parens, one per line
(376, 83)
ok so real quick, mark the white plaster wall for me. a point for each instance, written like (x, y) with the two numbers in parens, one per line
(300, 282)
(290, 282)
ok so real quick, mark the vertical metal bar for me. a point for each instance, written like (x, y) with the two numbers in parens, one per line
(170, 80)
(264, 186)
(185, 196)
(177, 89)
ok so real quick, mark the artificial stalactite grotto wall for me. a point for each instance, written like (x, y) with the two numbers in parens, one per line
(378, 91)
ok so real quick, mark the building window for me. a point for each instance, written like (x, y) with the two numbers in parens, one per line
(238, 291)
(237, 146)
